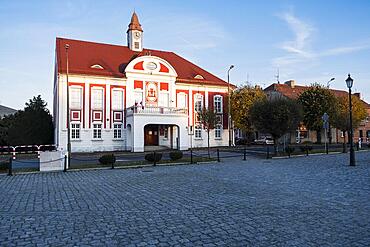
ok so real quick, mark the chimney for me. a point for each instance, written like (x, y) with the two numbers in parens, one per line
(290, 83)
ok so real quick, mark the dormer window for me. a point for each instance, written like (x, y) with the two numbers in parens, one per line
(199, 77)
(96, 66)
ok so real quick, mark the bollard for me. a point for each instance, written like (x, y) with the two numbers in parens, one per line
(10, 167)
(218, 155)
(154, 158)
(358, 146)
(327, 148)
(245, 154)
(65, 163)
(191, 156)
(306, 150)
(268, 152)
(112, 165)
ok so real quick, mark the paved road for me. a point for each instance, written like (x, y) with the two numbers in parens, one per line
(315, 201)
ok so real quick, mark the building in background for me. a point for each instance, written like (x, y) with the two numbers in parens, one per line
(129, 97)
(4, 110)
(290, 90)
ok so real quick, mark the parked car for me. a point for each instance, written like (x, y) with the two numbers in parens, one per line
(264, 140)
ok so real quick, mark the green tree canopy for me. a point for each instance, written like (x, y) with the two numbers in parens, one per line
(31, 126)
(242, 100)
(315, 101)
(276, 117)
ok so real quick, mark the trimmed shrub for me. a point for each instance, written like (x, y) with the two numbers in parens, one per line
(150, 157)
(289, 150)
(107, 159)
(176, 155)
(306, 146)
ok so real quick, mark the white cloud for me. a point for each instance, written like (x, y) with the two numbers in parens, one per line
(299, 52)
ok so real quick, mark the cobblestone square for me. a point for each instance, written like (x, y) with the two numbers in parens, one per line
(306, 201)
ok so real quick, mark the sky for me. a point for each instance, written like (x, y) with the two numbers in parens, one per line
(306, 41)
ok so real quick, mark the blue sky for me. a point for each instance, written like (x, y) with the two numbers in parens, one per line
(308, 41)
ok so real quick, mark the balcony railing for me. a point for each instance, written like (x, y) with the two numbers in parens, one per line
(155, 110)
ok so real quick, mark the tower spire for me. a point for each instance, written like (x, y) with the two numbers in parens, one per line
(134, 24)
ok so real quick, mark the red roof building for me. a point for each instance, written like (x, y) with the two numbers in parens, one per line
(290, 90)
(129, 97)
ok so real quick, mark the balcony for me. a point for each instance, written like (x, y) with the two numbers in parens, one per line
(156, 110)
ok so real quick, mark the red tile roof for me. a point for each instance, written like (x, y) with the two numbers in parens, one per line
(294, 92)
(114, 59)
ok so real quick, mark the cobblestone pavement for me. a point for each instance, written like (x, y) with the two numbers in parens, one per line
(314, 201)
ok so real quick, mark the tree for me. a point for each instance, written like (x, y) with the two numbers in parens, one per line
(276, 117)
(340, 119)
(242, 100)
(315, 101)
(31, 126)
(208, 119)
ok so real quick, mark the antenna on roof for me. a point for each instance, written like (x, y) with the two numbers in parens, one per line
(278, 76)
(247, 78)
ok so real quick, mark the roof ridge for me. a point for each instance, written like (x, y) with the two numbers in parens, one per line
(115, 45)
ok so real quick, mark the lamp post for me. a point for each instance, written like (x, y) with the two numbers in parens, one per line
(352, 161)
(68, 113)
(229, 106)
(328, 83)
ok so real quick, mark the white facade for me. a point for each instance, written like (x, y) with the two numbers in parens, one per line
(148, 106)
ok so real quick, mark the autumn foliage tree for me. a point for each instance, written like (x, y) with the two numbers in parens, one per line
(276, 117)
(340, 119)
(242, 100)
(315, 101)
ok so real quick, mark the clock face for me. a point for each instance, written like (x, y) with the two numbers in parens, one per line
(137, 35)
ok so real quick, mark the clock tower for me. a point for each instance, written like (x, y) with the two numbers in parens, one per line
(135, 34)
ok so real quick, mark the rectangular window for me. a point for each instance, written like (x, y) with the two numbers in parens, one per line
(137, 45)
(217, 103)
(198, 102)
(97, 131)
(97, 98)
(163, 99)
(117, 100)
(75, 131)
(138, 97)
(218, 131)
(75, 99)
(198, 132)
(182, 101)
(165, 133)
(117, 131)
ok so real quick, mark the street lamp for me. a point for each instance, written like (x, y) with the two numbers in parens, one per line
(68, 113)
(229, 106)
(352, 161)
(328, 83)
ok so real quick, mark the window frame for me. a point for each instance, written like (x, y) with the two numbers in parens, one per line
(75, 131)
(93, 100)
(117, 131)
(97, 131)
(220, 101)
(198, 129)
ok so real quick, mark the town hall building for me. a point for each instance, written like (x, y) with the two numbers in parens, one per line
(129, 98)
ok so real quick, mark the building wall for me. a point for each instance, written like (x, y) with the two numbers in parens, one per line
(132, 136)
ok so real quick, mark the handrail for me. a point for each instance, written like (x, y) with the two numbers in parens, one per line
(156, 110)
